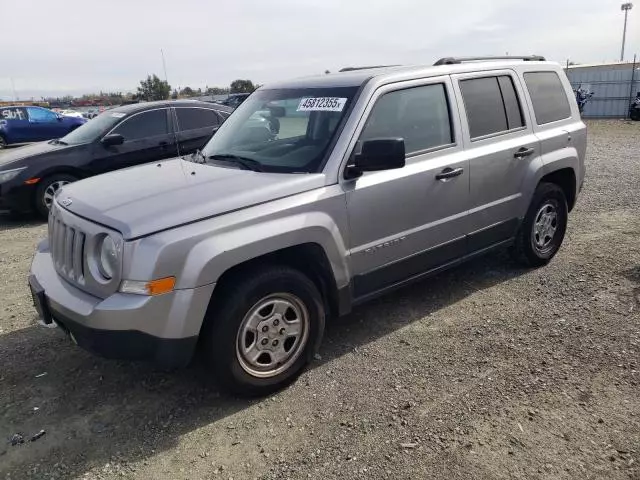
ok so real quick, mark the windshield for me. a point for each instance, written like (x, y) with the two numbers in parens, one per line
(286, 130)
(94, 128)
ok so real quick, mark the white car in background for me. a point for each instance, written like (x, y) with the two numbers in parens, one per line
(71, 113)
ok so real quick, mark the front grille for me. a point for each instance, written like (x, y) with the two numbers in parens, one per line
(67, 249)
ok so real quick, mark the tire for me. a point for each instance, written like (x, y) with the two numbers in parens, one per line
(635, 114)
(263, 306)
(47, 188)
(3, 142)
(542, 231)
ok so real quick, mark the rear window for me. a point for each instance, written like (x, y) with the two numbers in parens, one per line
(13, 113)
(548, 96)
(196, 118)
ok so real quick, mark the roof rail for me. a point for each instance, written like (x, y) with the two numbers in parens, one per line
(456, 60)
(351, 69)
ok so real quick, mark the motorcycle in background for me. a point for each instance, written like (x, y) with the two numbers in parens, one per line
(634, 108)
(583, 95)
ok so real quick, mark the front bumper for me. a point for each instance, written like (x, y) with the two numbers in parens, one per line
(16, 198)
(163, 329)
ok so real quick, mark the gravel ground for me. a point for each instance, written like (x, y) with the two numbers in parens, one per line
(487, 371)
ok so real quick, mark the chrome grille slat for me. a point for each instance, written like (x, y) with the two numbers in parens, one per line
(67, 249)
(78, 250)
(60, 244)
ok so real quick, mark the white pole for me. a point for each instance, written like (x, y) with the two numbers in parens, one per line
(164, 66)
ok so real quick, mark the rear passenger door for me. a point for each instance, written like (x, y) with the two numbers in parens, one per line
(16, 124)
(503, 154)
(194, 127)
(411, 220)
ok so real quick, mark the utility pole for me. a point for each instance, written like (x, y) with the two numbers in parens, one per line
(164, 67)
(625, 7)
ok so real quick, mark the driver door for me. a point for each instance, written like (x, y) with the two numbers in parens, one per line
(412, 220)
(44, 124)
(148, 137)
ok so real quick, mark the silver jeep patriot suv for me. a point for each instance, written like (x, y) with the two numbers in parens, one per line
(314, 196)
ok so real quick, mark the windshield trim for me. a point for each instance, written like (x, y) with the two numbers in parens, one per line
(340, 128)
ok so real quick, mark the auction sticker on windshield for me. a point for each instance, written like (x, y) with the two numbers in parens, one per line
(322, 104)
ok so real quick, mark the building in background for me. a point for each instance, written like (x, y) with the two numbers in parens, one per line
(614, 86)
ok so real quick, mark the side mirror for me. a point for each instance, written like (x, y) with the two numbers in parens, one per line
(112, 140)
(377, 154)
(59, 117)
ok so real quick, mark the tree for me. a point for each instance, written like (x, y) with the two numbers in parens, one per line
(242, 86)
(187, 92)
(153, 88)
(217, 90)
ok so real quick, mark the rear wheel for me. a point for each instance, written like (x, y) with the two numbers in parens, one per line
(263, 330)
(544, 226)
(3, 142)
(47, 189)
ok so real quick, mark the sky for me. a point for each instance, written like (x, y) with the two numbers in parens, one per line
(59, 47)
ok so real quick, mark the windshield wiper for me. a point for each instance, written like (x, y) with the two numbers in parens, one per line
(57, 141)
(246, 163)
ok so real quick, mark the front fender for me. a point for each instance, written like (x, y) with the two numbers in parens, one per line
(210, 258)
(199, 253)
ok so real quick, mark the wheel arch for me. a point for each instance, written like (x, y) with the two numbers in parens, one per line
(309, 258)
(565, 178)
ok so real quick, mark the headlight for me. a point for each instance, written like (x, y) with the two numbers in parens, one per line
(7, 175)
(108, 262)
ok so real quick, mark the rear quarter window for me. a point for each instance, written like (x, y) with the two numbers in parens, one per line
(548, 96)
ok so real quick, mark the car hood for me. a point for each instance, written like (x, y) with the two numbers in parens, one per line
(150, 198)
(21, 156)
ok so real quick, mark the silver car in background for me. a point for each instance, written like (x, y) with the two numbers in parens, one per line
(369, 180)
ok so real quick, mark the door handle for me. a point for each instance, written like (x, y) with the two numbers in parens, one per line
(524, 152)
(448, 173)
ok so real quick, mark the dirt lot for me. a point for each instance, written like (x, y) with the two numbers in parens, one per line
(487, 371)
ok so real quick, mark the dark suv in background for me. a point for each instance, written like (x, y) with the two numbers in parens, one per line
(120, 137)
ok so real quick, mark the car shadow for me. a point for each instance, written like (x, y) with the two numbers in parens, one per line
(11, 221)
(93, 409)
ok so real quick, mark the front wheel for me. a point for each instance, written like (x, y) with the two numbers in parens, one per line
(47, 189)
(543, 228)
(3, 142)
(263, 329)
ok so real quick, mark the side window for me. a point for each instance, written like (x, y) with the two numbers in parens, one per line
(196, 118)
(492, 105)
(14, 113)
(420, 115)
(143, 125)
(41, 115)
(483, 103)
(548, 97)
